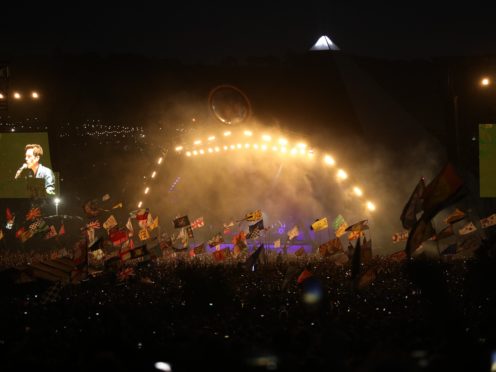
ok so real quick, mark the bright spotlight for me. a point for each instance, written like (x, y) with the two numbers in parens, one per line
(202, 152)
(302, 145)
(342, 174)
(485, 81)
(159, 161)
(197, 142)
(329, 160)
(188, 153)
(225, 148)
(211, 138)
(217, 149)
(264, 147)
(35, 95)
(358, 191)
(248, 133)
(210, 150)
(17, 95)
(266, 138)
(283, 141)
(195, 152)
(227, 133)
(293, 151)
(154, 174)
(239, 145)
(140, 204)
(179, 148)
(2, 96)
(147, 190)
(247, 145)
(370, 206)
(163, 366)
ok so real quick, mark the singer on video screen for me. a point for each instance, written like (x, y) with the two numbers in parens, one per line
(32, 168)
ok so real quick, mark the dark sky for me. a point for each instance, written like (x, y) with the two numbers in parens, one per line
(191, 32)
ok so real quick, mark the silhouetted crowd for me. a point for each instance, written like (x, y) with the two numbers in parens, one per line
(417, 315)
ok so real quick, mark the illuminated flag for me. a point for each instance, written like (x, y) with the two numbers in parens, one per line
(277, 243)
(196, 224)
(105, 197)
(183, 236)
(254, 230)
(488, 221)
(110, 222)
(118, 205)
(216, 240)
(199, 249)
(62, 229)
(455, 216)
(227, 227)
(154, 224)
(253, 216)
(467, 229)
(144, 234)
(51, 232)
(353, 235)
(33, 214)
(293, 233)
(319, 224)
(118, 236)
(93, 225)
(339, 225)
(129, 226)
(359, 226)
(398, 237)
(180, 222)
(413, 206)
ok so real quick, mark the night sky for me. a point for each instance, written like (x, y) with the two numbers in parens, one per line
(190, 32)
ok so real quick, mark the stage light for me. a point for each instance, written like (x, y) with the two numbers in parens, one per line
(342, 174)
(232, 147)
(154, 174)
(197, 142)
(248, 133)
(370, 206)
(17, 95)
(179, 148)
(247, 145)
(485, 81)
(358, 191)
(35, 95)
(283, 141)
(217, 149)
(146, 190)
(140, 204)
(225, 148)
(227, 133)
(188, 153)
(2, 96)
(159, 161)
(239, 145)
(255, 146)
(264, 147)
(211, 138)
(210, 150)
(284, 150)
(329, 160)
(301, 145)
(266, 138)
(195, 152)
(202, 152)
(294, 151)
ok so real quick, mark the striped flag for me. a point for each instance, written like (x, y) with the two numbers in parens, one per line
(196, 224)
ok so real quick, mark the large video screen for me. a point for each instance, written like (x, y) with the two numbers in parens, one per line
(26, 167)
(487, 160)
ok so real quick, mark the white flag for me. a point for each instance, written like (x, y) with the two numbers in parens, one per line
(488, 221)
(294, 232)
(467, 229)
(111, 222)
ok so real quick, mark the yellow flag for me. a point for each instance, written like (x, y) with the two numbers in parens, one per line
(143, 234)
(254, 216)
(320, 224)
(154, 224)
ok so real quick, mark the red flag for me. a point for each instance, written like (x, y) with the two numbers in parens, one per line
(8, 215)
(305, 274)
(62, 229)
(33, 214)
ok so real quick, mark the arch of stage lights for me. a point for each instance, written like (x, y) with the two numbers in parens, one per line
(247, 140)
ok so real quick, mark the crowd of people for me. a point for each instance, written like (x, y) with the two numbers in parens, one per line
(284, 313)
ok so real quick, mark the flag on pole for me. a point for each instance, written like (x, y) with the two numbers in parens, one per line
(293, 233)
(152, 226)
(196, 224)
(339, 225)
(254, 230)
(181, 222)
(62, 229)
(467, 229)
(413, 206)
(488, 221)
(319, 224)
(216, 240)
(277, 243)
(129, 226)
(253, 216)
(33, 214)
(110, 222)
(359, 226)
